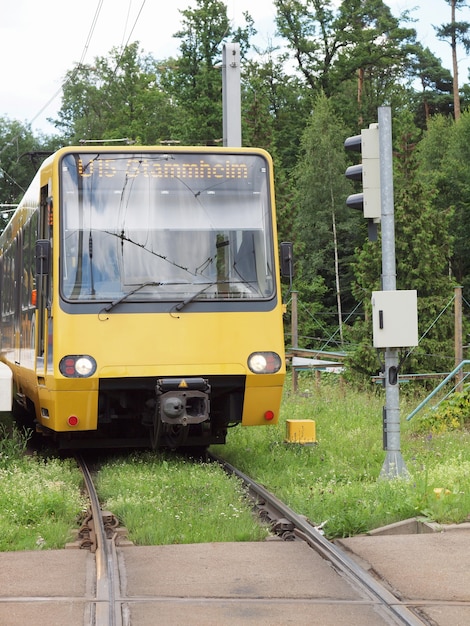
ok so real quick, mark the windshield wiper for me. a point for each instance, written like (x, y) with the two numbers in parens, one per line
(181, 305)
(114, 303)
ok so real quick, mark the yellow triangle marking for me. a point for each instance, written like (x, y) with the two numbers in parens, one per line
(183, 384)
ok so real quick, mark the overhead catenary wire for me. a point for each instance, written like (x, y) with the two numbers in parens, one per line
(70, 77)
(5, 173)
(433, 323)
(72, 74)
(327, 342)
(135, 23)
(91, 31)
(127, 21)
(123, 47)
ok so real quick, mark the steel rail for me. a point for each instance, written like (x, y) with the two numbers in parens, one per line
(107, 608)
(389, 603)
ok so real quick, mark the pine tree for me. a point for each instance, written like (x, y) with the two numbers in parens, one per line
(326, 230)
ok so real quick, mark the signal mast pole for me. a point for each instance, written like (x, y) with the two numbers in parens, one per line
(394, 465)
(231, 99)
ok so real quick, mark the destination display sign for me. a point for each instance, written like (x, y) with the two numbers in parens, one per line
(163, 167)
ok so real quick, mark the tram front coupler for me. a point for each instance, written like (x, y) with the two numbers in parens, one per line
(183, 400)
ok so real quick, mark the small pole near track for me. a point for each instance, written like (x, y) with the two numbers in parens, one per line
(458, 337)
(295, 339)
(394, 465)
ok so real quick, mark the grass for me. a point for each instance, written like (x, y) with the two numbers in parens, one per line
(40, 498)
(162, 498)
(337, 482)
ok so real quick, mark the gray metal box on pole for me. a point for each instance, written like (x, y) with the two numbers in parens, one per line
(395, 318)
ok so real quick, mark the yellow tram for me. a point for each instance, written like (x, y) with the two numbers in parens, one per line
(140, 296)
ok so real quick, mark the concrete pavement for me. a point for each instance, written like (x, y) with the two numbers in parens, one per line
(271, 583)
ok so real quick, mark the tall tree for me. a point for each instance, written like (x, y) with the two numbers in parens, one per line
(274, 109)
(119, 96)
(376, 49)
(20, 155)
(436, 83)
(360, 41)
(196, 82)
(445, 152)
(326, 231)
(455, 32)
(308, 27)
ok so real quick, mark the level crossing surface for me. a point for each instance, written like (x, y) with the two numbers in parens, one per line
(273, 582)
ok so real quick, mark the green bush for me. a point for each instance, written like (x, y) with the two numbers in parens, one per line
(451, 414)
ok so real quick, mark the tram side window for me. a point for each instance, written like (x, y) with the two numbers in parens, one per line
(28, 264)
(12, 281)
(30, 261)
(25, 277)
(8, 280)
(4, 270)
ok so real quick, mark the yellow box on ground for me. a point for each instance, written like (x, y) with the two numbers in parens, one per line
(301, 431)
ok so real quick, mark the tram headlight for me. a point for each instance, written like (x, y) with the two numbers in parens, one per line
(264, 362)
(77, 366)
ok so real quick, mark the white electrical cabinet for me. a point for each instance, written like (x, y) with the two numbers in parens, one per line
(395, 318)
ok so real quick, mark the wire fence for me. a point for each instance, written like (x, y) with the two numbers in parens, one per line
(330, 339)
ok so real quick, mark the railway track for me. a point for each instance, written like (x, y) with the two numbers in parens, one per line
(290, 526)
(107, 609)
(305, 577)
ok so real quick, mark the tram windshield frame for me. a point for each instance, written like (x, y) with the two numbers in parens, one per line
(165, 226)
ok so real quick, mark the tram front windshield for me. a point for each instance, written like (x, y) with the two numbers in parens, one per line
(165, 226)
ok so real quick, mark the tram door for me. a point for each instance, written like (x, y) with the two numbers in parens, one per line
(43, 284)
(17, 281)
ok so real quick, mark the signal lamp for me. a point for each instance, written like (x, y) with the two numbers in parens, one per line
(72, 420)
(269, 415)
(368, 172)
(369, 201)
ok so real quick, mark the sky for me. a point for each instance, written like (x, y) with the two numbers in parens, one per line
(41, 40)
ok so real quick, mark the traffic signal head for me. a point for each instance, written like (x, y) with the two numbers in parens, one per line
(367, 143)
